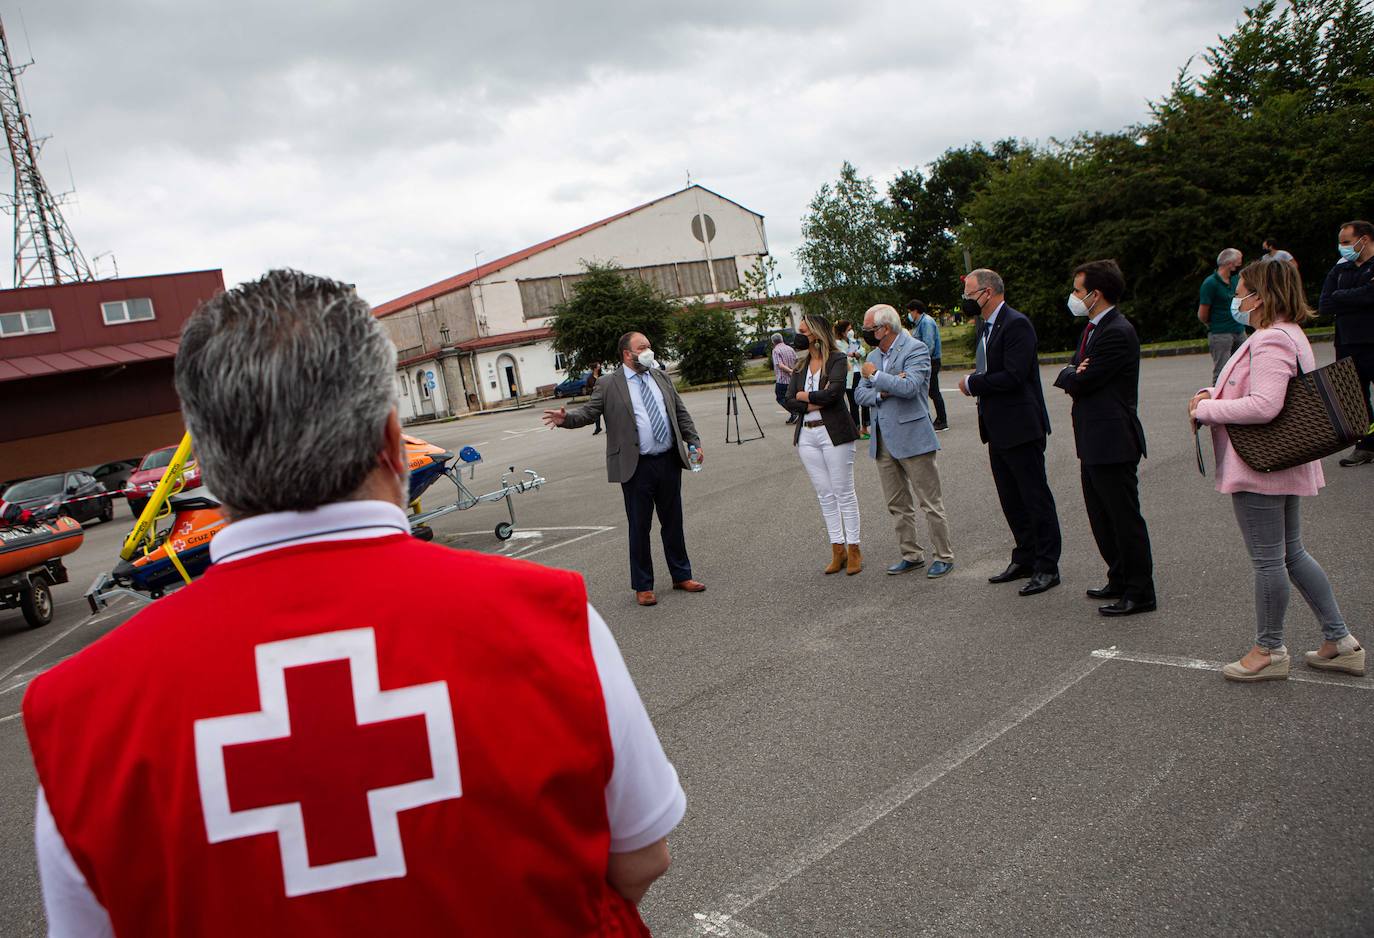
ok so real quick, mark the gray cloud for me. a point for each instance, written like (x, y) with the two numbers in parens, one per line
(386, 144)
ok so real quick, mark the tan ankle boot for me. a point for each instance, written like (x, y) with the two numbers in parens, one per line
(836, 558)
(855, 561)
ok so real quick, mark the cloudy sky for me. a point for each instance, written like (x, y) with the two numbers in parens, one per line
(386, 143)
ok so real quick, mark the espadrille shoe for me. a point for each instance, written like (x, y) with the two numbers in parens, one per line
(1349, 658)
(1275, 670)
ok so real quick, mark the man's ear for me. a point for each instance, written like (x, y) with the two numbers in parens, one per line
(393, 447)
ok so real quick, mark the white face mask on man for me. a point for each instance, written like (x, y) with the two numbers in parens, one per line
(1077, 306)
(646, 358)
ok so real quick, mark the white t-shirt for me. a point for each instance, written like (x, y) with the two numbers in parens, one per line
(644, 800)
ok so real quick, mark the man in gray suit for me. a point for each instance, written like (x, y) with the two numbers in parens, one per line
(894, 382)
(648, 433)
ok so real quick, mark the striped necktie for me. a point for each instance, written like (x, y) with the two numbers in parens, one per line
(658, 421)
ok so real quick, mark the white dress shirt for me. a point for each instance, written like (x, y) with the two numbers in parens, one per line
(648, 446)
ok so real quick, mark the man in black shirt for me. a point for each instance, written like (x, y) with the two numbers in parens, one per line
(1348, 294)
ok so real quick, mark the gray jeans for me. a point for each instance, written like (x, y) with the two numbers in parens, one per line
(1222, 346)
(1272, 531)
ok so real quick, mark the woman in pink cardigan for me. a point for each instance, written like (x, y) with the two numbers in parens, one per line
(1250, 390)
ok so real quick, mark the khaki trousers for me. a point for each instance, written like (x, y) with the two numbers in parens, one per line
(902, 477)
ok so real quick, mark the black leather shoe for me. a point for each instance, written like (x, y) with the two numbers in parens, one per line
(1014, 571)
(1105, 592)
(1127, 607)
(1358, 457)
(1039, 583)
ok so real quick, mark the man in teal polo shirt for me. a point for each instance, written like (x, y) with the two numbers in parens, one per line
(1224, 334)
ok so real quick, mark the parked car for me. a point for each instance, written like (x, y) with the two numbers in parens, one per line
(573, 386)
(115, 475)
(75, 494)
(145, 478)
(762, 347)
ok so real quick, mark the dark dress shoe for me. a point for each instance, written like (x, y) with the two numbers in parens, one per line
(1358, 457)
(1039, 583)
(1014, 571)
(905, 566)
(1106, 592)
(1127, 607)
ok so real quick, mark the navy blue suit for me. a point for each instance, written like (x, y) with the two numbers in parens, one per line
(1013, 421)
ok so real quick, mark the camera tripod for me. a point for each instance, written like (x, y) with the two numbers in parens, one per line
(733, 391)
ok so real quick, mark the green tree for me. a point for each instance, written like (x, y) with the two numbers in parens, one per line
(708, 341)
(927, 209)
(845, 255)
(1275, 140)
(607, 303)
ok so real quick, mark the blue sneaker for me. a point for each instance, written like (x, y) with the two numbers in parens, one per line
(905, 566)
(938, 569)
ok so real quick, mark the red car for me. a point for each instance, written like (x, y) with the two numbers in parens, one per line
(145, 478)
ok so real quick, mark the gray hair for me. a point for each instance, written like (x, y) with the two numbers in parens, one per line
(1228, 256)
(777, 337)
(885, 315)
(286, 384)
(988, 280)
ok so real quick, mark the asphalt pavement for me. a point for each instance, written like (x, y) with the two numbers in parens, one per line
(877, 755)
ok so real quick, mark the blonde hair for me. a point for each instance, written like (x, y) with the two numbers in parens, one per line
(821, 335)
(1279, 287)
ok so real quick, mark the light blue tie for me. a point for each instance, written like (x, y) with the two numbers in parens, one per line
(658, 421)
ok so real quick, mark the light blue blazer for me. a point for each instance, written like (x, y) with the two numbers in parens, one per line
(903, 417)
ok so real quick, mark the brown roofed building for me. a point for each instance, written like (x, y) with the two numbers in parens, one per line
(86, 369)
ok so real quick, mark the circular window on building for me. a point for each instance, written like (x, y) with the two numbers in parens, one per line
(698, 221)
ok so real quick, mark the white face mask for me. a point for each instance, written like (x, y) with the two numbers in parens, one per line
(1241, 316)
(1077, 306)
(645, 358)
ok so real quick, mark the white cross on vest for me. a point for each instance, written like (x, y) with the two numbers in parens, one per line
(329, 761)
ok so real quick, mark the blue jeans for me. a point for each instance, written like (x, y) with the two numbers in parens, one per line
(1272, 531)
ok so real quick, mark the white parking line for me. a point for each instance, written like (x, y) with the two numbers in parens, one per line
(1198, 664)
(764, 883)
(714, 923)
(91, 620)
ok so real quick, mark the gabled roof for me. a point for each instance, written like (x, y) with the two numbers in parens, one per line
(459, 281)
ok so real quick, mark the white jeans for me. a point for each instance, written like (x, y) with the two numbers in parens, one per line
(831, 469)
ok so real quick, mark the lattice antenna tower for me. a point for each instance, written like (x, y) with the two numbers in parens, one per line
(45, 252)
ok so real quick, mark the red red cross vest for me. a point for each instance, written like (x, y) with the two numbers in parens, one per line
(375, 737)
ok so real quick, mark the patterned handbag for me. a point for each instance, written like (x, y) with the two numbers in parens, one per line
(1323, 413)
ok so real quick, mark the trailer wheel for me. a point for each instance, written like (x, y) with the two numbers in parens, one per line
(504, 530)
(36, 602)
(422, 532)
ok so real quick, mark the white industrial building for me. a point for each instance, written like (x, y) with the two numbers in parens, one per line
(481, 339)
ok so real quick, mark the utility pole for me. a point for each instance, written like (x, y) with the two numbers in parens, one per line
(45, 253)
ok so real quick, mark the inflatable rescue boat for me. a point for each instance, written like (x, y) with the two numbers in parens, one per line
(25, 546)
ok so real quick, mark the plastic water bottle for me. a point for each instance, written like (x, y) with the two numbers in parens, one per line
(694, 457)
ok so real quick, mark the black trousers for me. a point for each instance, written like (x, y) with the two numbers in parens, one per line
(1111, 494)
(1364, 364)
(656, 486)
(860, 414)
(935, 394)
(1028, 504)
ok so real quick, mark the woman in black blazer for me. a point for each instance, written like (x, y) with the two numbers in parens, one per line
(825, 438)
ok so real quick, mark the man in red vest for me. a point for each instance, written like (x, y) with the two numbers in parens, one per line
(339, 729)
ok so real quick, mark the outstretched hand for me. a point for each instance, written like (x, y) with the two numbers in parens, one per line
(555, 418)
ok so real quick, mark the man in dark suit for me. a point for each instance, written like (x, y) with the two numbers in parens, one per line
(648, 432)
(1013, 422)
(1104, 381)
